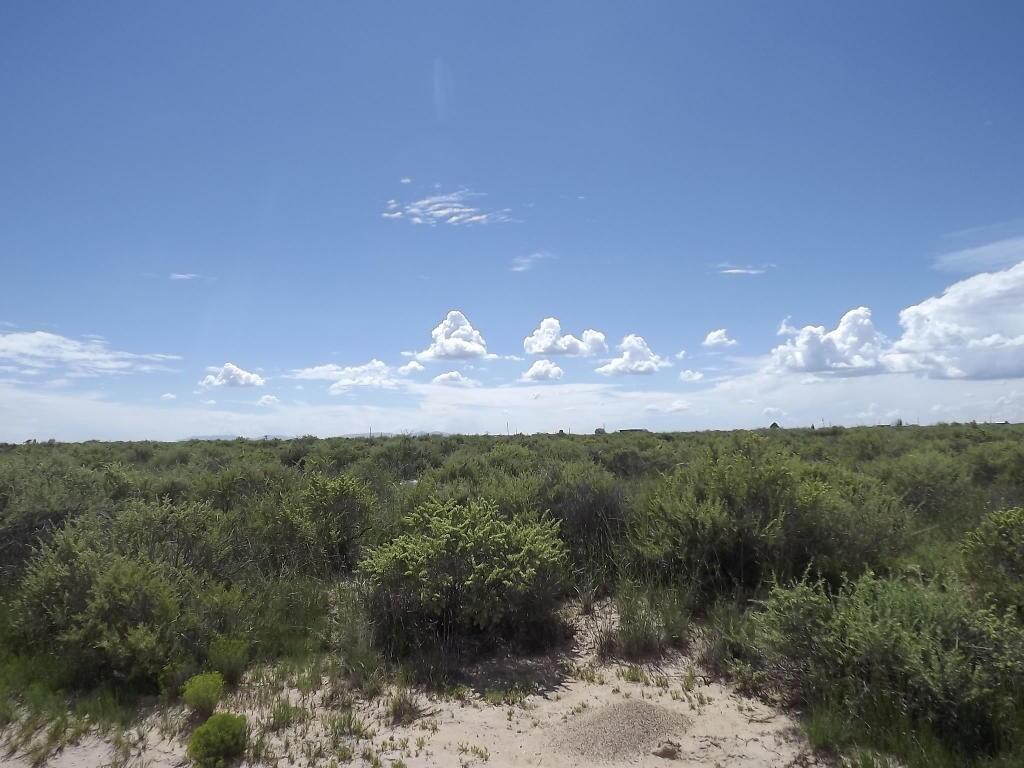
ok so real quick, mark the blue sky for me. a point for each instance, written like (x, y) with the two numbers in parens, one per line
(307, 191)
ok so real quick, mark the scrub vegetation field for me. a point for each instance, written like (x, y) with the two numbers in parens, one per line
(783, 597)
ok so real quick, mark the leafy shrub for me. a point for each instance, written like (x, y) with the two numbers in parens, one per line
(994, 557)
(892, 650)
(464, 569)
(219, 740)
(318, 531)
(590, 505)
(229, 656)
(732, 519)
(201, 693)
(104, 615)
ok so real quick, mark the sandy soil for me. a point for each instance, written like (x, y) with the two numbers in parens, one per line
(581, 712)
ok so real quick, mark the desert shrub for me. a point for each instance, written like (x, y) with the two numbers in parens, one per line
(994, 558)
(318, 529)
(590, 505)
(892, 651)
(649, 621)
(732, 519)
(219, 740)
(104, 615)
(229, 656)
(464, 569)
(202, 693)
(933, 482)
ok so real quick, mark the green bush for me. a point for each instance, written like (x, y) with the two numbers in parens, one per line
(464, 569)
(229, 656)
(201, 693)
(732, 519)
(219, 740)
(890, 650)
(994, 558)
(104, 615)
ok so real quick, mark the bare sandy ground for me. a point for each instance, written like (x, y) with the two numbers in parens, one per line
(580, 712)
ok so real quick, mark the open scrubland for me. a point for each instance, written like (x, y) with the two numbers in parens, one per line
(783, 597)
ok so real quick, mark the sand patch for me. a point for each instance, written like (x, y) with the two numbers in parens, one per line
(621, 730)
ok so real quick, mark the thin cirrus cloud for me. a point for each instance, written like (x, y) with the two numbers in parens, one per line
(33, 352)
(718, 338)
(994, 255)
(743, 269)
(183, 276)
(230, 375)
(460, 208)
(548, 339)
(637, 358)
(529, 261)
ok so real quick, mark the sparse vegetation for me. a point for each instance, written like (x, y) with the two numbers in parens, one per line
(870, 576)
(202, 693)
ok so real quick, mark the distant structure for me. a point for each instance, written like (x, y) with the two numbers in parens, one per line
(633, 430)
(599, 431)
(775, 425)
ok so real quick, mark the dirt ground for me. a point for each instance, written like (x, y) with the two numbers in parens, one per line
(564, 709)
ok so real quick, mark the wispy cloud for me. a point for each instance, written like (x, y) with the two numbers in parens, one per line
(994, 255)
(461, 208)
(529, 261)
(743, 269)
(405, 180)
(39, 350)
(184, 276)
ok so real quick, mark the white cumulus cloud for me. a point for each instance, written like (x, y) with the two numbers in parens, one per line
(455, 379)
(454, 338)
(975, 329)
(690, 376)
(374, 374)
(168, 396)
(718, 338)
(543, 370)
(410, 368)
(548, 339)
(853, 346)
(636, 358)
(268, 400)
(230, 375)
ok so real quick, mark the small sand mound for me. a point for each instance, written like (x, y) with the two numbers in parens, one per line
(620, 730)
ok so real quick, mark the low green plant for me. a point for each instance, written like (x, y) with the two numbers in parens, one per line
(994, 558)
(202, 693)
(464, 569)
(221, 739)
(229, 656)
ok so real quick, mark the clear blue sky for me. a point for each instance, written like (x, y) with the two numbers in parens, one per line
(223, 182)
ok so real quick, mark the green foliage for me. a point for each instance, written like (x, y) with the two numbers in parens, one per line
(229, 656)
(124, 566)
(104, 615)
(201, 693)
(734, 518)
(994, 558)
(219, 740)
(649, 621)
(888, 649)
(465, 569)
